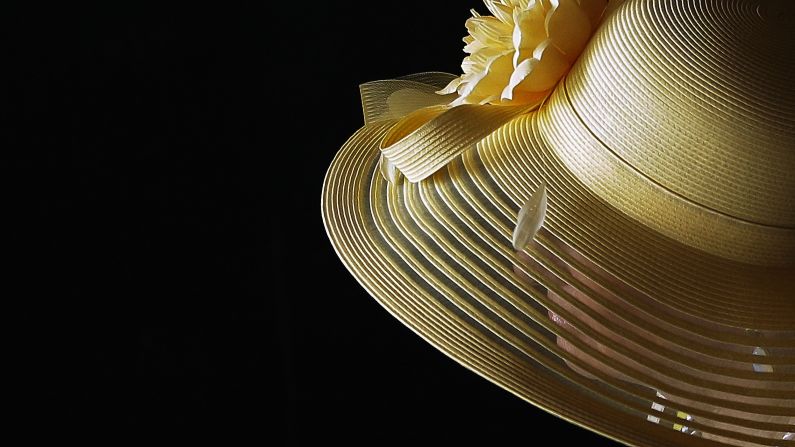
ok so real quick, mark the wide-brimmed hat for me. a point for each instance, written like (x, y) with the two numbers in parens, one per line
(618, 247)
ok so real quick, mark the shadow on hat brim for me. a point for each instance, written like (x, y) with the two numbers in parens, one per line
(438, 256)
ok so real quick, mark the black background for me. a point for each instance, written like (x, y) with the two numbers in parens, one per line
(181, 276)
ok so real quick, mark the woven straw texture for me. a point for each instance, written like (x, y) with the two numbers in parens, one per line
(631, 313)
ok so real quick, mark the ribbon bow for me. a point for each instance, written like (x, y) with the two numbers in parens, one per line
(517, 57)
(428, 132)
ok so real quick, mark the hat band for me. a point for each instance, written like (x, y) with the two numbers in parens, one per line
(627, 189)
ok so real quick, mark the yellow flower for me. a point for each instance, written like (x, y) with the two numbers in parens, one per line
(518, 54)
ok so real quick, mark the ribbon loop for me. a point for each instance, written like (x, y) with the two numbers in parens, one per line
(394, 98)
(447, 133)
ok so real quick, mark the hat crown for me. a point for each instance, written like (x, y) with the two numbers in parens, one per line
(698, 97)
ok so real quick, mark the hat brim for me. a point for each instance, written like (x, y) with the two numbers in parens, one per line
(438, 256)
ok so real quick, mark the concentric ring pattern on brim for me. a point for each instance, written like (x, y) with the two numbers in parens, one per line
(602, 319)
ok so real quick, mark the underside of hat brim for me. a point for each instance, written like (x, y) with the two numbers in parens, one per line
(438, 256)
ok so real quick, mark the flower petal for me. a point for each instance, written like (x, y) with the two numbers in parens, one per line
(593, 9)
(499, 10)
(520, 3)
(452, 87)
(472, 45)
(519, 74)
(493, 99)
(569, 27)
(491, 81)
(540, 73)
(528, 31)
(489, 30)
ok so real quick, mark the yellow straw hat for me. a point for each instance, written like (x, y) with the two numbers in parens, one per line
(618, 247)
